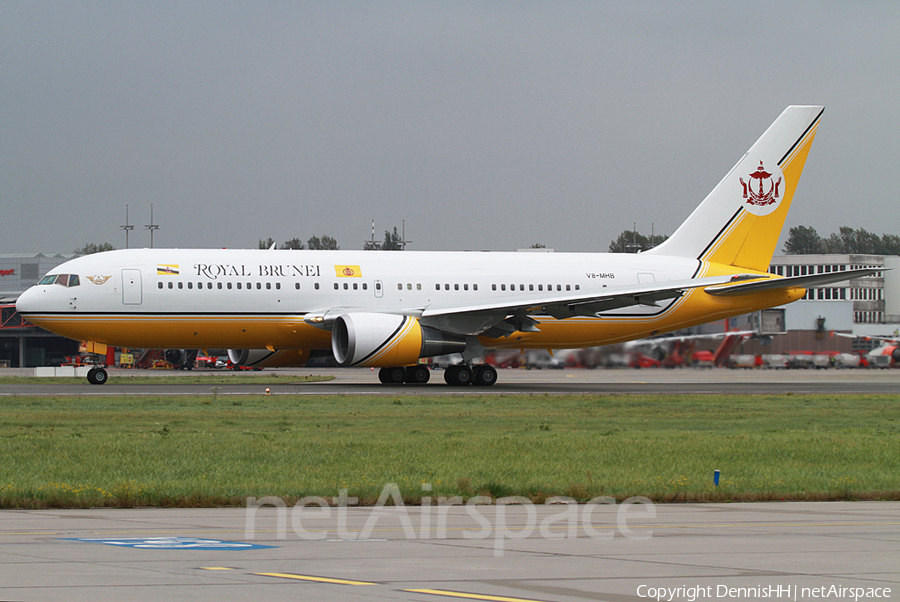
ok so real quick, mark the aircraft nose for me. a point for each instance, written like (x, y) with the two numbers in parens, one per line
(29, 301)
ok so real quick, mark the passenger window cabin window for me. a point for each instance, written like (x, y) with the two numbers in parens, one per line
(446, 287)
(365, 286)
(559, 287)
(540, 287)
(475, 287)
(531, 287)
(577, 287)
(277, 286)
(239, 286)
(346, 286)
(228, 286)
(316, 286)
(355, 286)
(181, 285)
(297, 286)
(437, 287)
(418, 287)
(502, 287)
(219, 285)
(399, 286)
(160, 285)
(568, 287)
(465, 287)
(170, 285)
(456, 287)
(268, 286)
(493, 287)
(259, 286)
(336, 286)
(409, 286)
(190, 285)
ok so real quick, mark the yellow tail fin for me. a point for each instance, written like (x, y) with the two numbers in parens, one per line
(740, 221)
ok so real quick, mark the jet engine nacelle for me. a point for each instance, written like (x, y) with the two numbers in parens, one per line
(264, 358)
(366, 339)
(175, 356)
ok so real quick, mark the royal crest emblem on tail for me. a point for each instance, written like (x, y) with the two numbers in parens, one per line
(761, 197)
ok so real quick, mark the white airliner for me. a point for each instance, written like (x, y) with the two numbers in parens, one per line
(276, 308)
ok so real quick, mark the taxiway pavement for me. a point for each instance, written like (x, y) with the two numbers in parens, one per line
(364, 381)
(517, 553)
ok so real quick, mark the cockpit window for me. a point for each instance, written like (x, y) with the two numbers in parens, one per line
(68, 280)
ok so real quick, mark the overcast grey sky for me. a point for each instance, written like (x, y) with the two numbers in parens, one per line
(485, 125)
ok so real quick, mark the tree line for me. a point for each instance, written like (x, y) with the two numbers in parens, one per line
(325, 243)
(803, 240)
(632, 241)
(392, 242)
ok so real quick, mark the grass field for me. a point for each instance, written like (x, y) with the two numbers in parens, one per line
(217, 450)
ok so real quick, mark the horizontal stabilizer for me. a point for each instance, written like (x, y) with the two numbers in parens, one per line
(755, 286)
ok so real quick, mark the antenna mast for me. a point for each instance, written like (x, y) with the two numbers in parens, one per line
(151, 226)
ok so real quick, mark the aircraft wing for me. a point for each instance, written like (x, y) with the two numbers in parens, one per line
(503, 318)
(748, 288)
(689, 337)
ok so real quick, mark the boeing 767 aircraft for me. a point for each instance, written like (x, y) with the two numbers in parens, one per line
(276, 308)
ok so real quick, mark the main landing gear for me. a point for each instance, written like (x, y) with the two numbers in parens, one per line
(97, 376)
(414, 375)
(459, 375)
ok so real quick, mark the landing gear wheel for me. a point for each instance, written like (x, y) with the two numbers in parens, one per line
(459, 375)
(485, 376)
(97, 376)
(417, 375)
(391, 376)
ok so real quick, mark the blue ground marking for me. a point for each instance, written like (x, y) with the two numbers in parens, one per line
(171, 543)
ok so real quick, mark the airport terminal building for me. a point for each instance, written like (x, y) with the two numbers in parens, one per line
(863, 306)
(21, 344)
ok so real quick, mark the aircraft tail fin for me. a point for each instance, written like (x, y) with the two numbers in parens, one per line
(740, 221)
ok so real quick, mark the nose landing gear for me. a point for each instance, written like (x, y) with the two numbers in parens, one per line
(97, 376)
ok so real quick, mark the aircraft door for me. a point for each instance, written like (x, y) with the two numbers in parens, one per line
(131, 287)
(379, 289)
